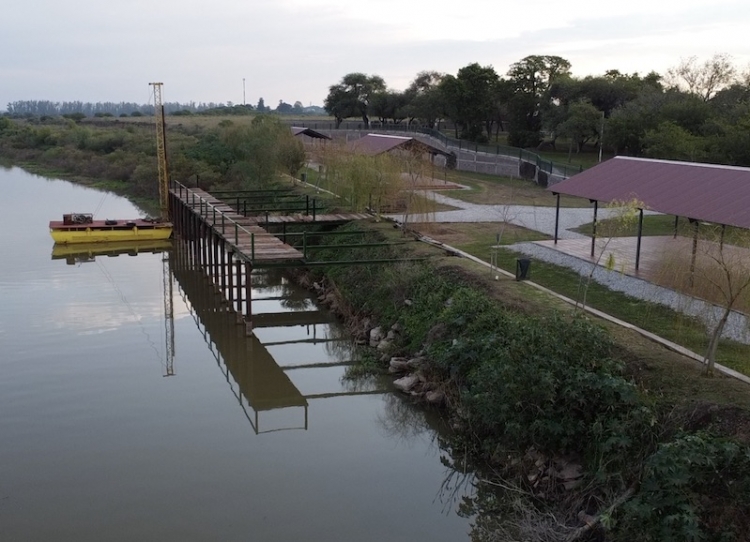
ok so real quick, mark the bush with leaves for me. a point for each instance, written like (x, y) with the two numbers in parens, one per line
(550, 383)
(696, 487)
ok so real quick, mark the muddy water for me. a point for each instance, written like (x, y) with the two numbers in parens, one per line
(248, 439)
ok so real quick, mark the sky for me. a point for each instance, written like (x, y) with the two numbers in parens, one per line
(293, 50)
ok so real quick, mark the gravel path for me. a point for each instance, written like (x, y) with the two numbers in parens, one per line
(736, 328)
(542, 219)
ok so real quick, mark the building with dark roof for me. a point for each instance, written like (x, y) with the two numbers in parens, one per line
(699, 192)
(374, 144)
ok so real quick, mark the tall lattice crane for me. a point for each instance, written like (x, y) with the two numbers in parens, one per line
(161, 151)
(161, 157)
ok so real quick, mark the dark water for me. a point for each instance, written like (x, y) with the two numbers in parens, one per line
(97, 444)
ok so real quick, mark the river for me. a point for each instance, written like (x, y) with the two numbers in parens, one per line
(99, 442)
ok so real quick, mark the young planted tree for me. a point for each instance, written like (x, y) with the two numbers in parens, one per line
(621, 222)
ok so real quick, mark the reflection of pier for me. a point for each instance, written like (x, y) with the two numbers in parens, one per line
(256, 379)
(262, 384)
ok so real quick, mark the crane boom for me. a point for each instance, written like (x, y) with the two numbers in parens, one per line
(161, 157)
(161, 151)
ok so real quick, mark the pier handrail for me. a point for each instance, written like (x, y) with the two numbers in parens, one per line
(179, 187)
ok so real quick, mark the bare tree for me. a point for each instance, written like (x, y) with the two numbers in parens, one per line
(703, 79)
(716, 270)
(721, 275)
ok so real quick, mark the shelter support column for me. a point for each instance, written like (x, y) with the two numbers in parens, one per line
(557, 216)
(695, 250)
(640, 236)
(593, 229)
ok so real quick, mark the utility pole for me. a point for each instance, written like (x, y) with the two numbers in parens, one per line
(243, 91)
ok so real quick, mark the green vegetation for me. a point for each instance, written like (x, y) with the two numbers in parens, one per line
(235, 154)
(522, 378)
(696, 111)
(494, 190)
(477, 240)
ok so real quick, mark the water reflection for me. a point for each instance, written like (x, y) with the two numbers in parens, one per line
(78, 253)
(259, 382)
(256, 380)
(89, 424)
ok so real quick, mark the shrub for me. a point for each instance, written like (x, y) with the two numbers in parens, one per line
(696, 487)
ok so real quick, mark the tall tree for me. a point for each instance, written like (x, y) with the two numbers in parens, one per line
(470, 100)
(423, 98)
(351, 97)
(703, 79)
(389, 104)
(532, 78)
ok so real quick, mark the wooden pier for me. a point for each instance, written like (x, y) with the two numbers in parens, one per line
(230, 244)
(245, 236)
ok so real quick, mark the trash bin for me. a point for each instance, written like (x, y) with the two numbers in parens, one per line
(303, 177)
(523, 266)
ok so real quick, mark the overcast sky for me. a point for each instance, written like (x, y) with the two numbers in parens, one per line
(99, 50)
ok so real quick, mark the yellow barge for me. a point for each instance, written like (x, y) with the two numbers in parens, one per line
(82, 228)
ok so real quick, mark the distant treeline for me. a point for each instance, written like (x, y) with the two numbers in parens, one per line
(40, 108)
(696, 111)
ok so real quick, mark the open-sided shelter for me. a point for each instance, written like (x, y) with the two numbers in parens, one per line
(374, 144)
(699, 192)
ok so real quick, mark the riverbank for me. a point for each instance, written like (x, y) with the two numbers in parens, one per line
(539, 391)
(573, 413)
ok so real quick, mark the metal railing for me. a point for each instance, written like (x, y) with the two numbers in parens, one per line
(202, 203)
(548, 166)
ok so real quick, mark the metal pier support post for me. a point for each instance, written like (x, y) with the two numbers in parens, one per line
(230, 280)
(248, 299)
(238, 306)
(223, 255)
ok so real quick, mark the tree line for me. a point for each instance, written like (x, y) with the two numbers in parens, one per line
(697, 111)
(40, 108)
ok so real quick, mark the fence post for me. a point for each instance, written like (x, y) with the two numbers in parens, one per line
(252, 247)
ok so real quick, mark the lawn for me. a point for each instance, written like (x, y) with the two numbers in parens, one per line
(665, 374)
(477, 239)
(492, 190)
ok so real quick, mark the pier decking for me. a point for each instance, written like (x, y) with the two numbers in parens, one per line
(245, 236)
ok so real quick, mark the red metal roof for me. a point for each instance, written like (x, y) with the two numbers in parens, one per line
(708, 192)
(374, 144)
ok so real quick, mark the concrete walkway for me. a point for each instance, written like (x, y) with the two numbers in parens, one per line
(541, 219)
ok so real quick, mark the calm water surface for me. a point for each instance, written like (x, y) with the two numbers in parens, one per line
(97, 444)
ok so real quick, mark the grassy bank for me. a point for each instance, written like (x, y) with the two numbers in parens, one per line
(523, 372)
(477, 240)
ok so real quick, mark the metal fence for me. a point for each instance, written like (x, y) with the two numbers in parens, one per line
(554, 171)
